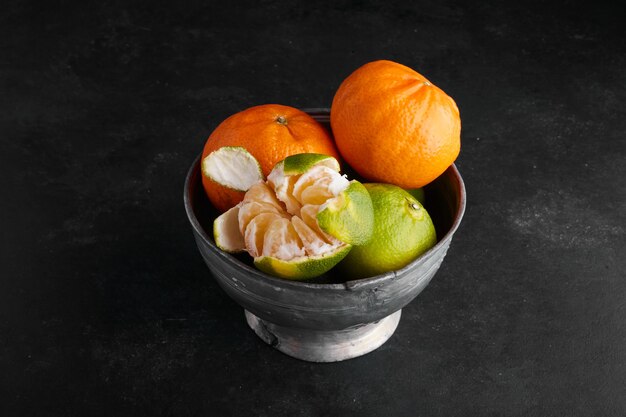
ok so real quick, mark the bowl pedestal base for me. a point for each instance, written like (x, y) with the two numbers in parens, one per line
(325, 345)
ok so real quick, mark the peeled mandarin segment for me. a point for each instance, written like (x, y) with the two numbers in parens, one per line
(250, 209)
(318, 192)
(226, 231)
(313, 242)
(233, 167)
(283, 187)
(318, 174)
(255, 232)
(281, 241)
(277, 174)
(296, 173)
(262, 193)
(308, 214)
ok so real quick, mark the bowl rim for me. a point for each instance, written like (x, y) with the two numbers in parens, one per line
(351, 284)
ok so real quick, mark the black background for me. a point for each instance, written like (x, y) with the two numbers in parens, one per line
(106, 307)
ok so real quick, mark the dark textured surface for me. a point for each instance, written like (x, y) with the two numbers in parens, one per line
(106, 307)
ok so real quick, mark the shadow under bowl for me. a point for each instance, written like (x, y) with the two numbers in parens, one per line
(326, 319)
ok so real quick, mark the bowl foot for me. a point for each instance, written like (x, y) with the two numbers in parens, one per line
(325, 346)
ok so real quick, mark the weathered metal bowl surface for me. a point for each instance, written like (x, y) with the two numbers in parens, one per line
(328, 319)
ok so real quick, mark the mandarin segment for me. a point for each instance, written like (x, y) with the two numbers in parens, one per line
(313, 187)
(308, 214)
(225, 230)
(282, 241)
(254, 236)
(313, 241)
(251, 209)
(283, 187)
(262, 193)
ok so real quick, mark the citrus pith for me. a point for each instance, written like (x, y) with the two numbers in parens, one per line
(233, 167)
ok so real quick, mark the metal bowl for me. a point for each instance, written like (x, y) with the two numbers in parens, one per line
(327, 319)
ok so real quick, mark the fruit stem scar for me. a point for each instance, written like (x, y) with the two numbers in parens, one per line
(414, 206)
(282, 120)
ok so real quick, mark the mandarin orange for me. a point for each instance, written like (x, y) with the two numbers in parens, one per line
(270, 132)
(392, 125)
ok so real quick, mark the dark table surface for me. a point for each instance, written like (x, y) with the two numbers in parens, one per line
(106, 307)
